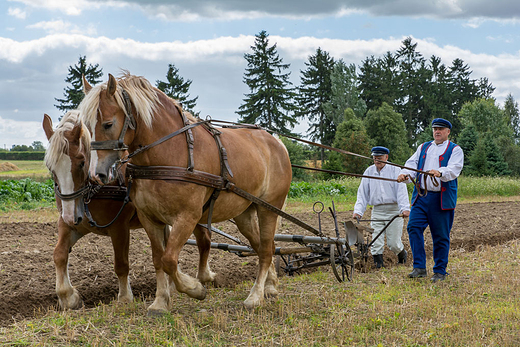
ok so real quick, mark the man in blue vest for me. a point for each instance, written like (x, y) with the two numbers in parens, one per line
(434, 204)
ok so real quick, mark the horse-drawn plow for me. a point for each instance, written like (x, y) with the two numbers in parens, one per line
(344, 252)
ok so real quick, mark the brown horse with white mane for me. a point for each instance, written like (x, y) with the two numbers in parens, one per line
(130, 112)
(67, 157)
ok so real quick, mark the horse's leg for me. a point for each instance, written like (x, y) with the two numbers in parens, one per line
(121, 244)
(68, 296)
(203, 237)
(263, 244)
(171, 285)
(156, 235)
(182, 227)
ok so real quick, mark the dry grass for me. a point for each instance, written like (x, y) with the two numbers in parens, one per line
(477, 305)
(41, 215)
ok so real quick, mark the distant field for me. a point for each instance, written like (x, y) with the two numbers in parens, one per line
(34, 169)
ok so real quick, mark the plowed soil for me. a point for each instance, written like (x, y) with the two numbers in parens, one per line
(27, 275)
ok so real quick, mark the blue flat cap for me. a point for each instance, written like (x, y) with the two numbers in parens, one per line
(380, 150)
(441, 123)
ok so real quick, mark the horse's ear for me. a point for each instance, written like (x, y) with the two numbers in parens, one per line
(47, 126)
(112, 85)
(76, 131)
(86, 86)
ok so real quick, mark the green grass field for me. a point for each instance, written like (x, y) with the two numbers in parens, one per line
(33, 169)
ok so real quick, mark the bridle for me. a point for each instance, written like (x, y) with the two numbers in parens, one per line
(118, 145)
(86, 192)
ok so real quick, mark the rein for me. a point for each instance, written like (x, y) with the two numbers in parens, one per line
(253, 126)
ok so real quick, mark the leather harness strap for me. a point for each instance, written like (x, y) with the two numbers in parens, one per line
(174, 173)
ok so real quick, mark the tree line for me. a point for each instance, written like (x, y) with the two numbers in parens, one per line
(388, 100)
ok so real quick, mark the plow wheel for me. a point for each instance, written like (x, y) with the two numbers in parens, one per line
(342, 262)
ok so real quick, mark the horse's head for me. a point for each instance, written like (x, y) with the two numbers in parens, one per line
(111, 110)
(67, 157)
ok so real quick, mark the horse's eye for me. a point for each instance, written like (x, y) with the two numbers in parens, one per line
(107, 126)
(82, 165)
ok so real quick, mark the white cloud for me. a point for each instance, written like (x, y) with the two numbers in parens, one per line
(57, 26)
(17, 13)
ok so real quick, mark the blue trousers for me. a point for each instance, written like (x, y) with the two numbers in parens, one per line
(427, 212)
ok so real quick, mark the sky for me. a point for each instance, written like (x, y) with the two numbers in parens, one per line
(207, 39)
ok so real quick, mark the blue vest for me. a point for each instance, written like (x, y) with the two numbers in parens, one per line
(448, 189)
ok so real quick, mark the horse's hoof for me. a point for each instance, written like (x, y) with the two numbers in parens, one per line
(72, 303)
(125, 299)
(251, 304)
(270, 292)
(207, 278)
(155, 313)
(199, 294)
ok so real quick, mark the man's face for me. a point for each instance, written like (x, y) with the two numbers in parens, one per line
(378, 164)
(440, 134)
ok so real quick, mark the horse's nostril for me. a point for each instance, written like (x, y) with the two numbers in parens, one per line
(102, 178)
(78, 220)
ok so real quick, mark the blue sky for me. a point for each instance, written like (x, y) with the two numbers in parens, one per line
(207, 39)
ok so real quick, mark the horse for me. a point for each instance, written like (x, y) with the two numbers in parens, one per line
(130, 113)
(68, 158)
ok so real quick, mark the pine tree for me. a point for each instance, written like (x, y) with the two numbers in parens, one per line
(315, 90)
(74, 94)
(412, 77)
(513, 116)
(177, 88)
(271, 101)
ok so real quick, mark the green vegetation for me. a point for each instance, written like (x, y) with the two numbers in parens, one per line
(345, 189)
(26, 194)
(376, 309)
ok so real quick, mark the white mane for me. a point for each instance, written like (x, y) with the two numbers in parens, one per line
(59, 145)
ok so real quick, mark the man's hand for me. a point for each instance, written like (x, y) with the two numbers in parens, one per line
(356, 216)
(402, 178)
(435, 173)
(406, 214)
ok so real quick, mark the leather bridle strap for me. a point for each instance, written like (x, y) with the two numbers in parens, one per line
(119, 144)
(91, 220)
(161, 140)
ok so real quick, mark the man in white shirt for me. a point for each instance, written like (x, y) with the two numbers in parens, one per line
(389, 199)
(433, 206)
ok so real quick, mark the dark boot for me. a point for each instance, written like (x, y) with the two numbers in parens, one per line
(402, 256)
(418, 273)
(378, 260)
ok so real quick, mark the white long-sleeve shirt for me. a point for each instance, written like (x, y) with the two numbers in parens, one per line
(377, 192)
(449, 172)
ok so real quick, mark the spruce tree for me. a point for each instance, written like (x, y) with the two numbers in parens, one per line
(512, 116)
(270, 103)
(74, 93)
(314, 92)
(177, 88)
